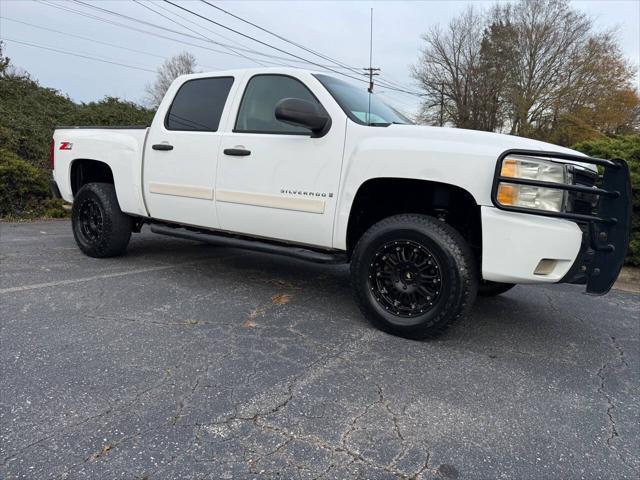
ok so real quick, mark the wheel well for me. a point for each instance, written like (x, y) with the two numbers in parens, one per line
(383, 197)
(85, 171)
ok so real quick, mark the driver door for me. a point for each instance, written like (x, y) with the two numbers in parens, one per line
(274, 180)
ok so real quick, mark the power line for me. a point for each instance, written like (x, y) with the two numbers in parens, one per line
(81, 37)
(196, 32)
(268, 44)
(90, 39)
(338, 63)
(392, 100)
(75, 54)
(147, 32)
(386, 83)
(236, 46)
(198, 37)
(260, 41)
(129, 27)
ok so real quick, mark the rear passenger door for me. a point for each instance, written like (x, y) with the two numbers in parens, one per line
(274, 179)
(181, 152)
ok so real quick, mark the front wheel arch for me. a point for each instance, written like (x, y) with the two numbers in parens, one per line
(382, 197)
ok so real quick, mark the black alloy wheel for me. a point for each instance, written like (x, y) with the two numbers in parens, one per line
(100, 228)
(405, 278)
(91, 221)
(413, 275)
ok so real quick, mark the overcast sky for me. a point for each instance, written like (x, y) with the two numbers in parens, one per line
(337, 29)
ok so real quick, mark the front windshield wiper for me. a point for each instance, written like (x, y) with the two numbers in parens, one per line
(385, 124)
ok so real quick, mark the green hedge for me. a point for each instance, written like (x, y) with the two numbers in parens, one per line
(628, 148)
(24, 190)
(28, 115)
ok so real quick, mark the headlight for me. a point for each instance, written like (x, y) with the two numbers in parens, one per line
(529, 196)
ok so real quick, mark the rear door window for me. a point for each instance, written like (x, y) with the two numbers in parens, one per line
(198, 105)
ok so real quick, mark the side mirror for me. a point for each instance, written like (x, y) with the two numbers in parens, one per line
(303, 113)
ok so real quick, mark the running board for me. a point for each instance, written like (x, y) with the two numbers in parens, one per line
(255, 245)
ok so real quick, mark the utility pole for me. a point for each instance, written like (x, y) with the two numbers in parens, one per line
(371, 71)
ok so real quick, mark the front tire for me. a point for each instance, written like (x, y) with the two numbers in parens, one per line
(413, 275)
(99, 226)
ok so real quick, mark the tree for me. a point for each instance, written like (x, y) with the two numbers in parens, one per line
(600, 99)
(447, 70)
(181, 64)
(4, 60)
(535, 68)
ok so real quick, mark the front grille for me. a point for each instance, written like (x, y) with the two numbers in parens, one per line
(580, 202)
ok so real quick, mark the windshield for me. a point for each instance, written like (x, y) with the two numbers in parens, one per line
(355, 103)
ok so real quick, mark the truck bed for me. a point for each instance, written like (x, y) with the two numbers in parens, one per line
(120, 147)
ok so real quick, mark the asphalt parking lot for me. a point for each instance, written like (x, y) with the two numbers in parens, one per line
(188, 361)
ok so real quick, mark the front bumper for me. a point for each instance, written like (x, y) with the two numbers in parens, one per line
(604, 229)
(513, 245)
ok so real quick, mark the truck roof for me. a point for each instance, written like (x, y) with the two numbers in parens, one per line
(255, 70)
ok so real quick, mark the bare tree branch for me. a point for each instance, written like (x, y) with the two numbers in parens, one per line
(181, 64)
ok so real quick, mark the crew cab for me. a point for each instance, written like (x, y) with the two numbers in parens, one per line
(304, 164)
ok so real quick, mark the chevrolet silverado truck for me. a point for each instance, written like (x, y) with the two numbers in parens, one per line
(303, 164)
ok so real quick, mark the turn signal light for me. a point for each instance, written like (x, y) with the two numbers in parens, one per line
(506, 194)
(509, 168)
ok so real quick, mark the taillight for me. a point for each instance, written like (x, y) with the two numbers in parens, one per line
(52, 147)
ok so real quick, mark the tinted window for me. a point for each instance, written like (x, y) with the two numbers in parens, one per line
(361, 106)
(263, 92)
(198, 104)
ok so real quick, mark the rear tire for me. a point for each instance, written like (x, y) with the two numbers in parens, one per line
(99, 226)
(413, 275)
(487, 288)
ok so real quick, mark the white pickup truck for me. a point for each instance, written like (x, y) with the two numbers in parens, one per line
(303, 164)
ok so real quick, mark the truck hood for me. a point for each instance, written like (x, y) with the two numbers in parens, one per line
(495, 142)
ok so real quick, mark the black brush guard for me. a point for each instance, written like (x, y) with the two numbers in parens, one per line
(606, 228)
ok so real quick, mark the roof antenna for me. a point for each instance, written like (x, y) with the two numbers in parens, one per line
(370, 71)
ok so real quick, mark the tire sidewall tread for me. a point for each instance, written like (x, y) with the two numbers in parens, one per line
(452, 252)
(116, 224)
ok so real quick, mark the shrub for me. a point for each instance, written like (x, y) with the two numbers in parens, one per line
(24, 189)
(628, 148)
(29, 113)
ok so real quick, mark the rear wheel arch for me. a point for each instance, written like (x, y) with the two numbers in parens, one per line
(85, 170)
(382, 197)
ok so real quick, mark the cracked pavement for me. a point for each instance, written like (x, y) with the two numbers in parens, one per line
(187, 361)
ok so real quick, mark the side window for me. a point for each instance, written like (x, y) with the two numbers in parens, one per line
(263, 92)
(198, 105)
